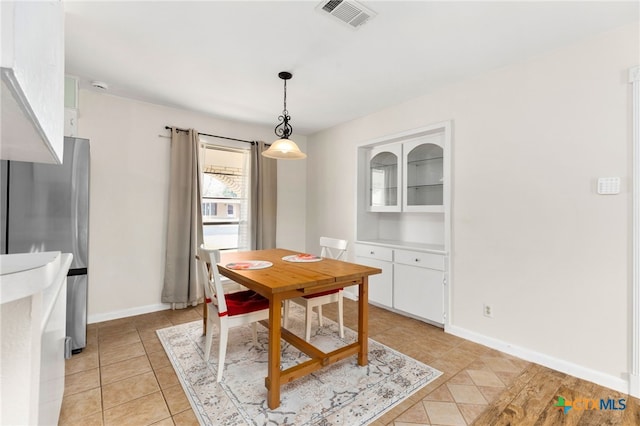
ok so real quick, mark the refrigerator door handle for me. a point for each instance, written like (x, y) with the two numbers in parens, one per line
(77, 271)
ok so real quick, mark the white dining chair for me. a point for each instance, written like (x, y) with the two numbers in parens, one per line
(227, 310)
(332, 248)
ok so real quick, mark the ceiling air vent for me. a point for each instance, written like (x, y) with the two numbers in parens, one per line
(347, 11)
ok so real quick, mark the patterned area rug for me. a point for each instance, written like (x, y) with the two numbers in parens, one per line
(341, 394)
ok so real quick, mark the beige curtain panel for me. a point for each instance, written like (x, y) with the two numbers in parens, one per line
(264, 198)
(184, 233)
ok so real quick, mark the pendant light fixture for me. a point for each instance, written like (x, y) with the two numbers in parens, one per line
(284, 148)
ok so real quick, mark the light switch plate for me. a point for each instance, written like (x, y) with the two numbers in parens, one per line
(608, 185)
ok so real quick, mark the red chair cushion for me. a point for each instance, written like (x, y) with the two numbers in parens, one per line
(324, 293)
(244, 302)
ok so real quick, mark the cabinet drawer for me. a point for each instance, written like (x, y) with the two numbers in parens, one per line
(374, 252)
(420, 259)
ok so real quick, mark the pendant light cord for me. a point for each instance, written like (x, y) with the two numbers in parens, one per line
(284, 129)
(285, 97)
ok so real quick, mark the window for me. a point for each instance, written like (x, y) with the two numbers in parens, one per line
(225, 197)
(209, 208)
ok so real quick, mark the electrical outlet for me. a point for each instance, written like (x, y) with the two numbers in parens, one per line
(487, 310)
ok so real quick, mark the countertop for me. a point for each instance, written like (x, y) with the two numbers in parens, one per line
(25, 274)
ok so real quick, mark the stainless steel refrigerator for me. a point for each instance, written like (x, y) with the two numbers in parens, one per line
(45, 207)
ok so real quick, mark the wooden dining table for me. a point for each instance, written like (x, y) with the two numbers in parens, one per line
(286, 280)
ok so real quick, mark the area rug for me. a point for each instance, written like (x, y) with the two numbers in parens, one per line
(341, 394)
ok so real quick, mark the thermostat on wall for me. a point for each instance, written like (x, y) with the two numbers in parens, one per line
(609, 185)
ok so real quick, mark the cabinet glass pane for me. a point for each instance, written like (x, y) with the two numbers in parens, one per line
(425, 175)
(384, 179)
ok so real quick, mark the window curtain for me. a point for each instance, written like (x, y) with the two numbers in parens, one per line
(245, 229)
(184, 233)
(264, 198)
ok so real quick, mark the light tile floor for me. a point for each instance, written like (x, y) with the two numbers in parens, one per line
(123, 376)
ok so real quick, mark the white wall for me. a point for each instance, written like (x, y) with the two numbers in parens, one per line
(129, 197)
(531, 236)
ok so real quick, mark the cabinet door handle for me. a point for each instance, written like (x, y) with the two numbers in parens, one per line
(417, 259)
(372, 252)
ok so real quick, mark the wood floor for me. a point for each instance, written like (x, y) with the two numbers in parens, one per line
(123, 377)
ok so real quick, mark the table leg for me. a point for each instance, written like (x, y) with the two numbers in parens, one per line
(273, 379)
(363, 321)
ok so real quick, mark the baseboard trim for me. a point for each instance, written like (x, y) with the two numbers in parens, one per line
(563, 366)
(108, 316)
(348, 295)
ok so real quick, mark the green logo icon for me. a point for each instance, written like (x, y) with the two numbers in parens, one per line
(562, 404)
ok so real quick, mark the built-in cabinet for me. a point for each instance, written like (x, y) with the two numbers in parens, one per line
(385, 177)
(407, 176)
(403, 223)
(423, 174)
(412, 281)
(419, 284)
(380, 285)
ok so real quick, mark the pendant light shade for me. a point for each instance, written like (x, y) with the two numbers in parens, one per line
(284, 148)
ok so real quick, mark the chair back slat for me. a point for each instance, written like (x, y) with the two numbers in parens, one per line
(333, 248)
(212, 258)
(204, 273)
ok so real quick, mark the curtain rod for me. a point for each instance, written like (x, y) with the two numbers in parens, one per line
(213, 136)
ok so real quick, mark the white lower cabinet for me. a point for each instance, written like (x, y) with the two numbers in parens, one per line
(418, 291)
(380, 285)
(412, 282)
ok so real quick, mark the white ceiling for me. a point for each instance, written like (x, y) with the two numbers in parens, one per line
(223, 57)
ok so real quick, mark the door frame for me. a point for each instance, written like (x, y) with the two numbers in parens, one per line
(634, 374)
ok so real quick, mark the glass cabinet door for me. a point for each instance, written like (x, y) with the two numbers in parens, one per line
(384, 178)
(423, 177)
